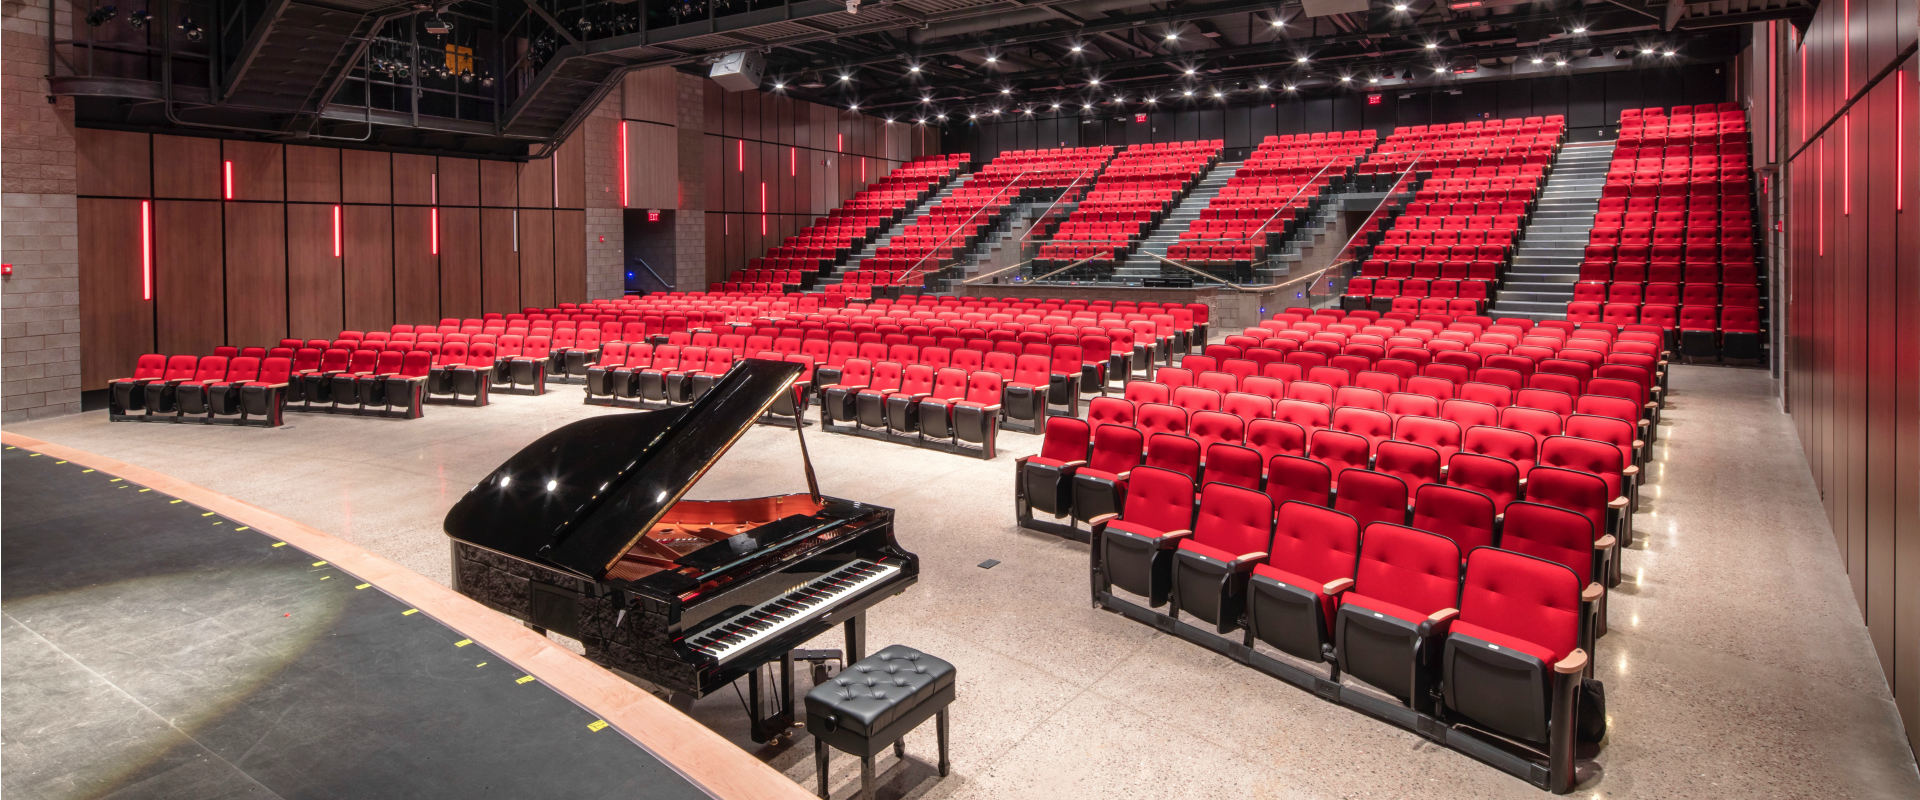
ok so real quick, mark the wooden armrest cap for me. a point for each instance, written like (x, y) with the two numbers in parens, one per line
(1630, 470)
(1618, 502)
(1604, 542)
(1103, 519)
(1592, 593)
(1337, 585)
(1443, 615)
(1573, 664)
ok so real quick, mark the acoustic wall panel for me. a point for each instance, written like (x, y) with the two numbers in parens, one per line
(186, 168)
(499, 263)
(258, 170)
(573, 173)
(499, 184)
(313, 174)
(537, 181)
(414, 179)
(416, 268)
(460, 254)
(114, 163)
(116, 322)
(315, 281)
(366, 177)
(459, 182)
(256, 259)
(570, 256)
(368, 267)
(536, 257)
(188, 282)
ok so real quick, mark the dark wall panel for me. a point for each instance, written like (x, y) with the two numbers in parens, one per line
(187, 277)
(368, 268)
(416, 269)
(116, 322)
(256, 272)
(460, 263)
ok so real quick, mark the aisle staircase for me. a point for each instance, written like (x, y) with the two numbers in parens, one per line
(1547, 262)
(1138, 266)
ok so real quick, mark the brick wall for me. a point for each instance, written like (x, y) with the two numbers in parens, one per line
(606, 231)
(39, 231)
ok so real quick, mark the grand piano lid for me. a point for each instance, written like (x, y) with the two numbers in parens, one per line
(580, 497)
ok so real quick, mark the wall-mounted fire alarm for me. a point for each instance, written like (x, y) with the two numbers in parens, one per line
(6, 269)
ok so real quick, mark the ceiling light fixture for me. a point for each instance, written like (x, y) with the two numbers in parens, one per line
(1560, 63)
(1078, 48)
(845, 78)
(1668, 54)
(1089, 106)
(1302, 59)
(1172, 35)
(1580, 30)
(1217, 95)
(1093, 81)
(991, 59)
(853, 107)
(1007, 90)
(914, 68)
(1433, 45)
(1279, 23)
(1263, 87)
(779, 86)
(1537, 59)
(1400, 7)
(1646, 51)
(1188, 93)
(1191, 70)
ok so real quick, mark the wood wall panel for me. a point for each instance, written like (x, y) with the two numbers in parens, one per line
(569, 256)
(116, 323)
(416, 270)
(536, 257)
(499, 184)
(536, 183)
(186, 168)
(188, 283)
(413, 179)
(459, 182)
(259, 170)
(460, 263)
(653, 166)
(114, 164)
(651, 95)
(368, 268)
(499, 264)
(315, 280)
(573, 173)
(256, 273)
(366, 177)
(313, 174)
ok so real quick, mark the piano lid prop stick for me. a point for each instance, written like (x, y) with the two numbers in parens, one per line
(813, 485)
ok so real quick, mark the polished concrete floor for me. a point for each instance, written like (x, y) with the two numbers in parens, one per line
(1737, 664)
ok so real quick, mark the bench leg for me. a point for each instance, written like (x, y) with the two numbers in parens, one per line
(820, 762)
(866, 778)
(900, 748)
(943, 742)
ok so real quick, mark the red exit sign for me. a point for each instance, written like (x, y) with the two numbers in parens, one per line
(1373, 99)
(1140, 118)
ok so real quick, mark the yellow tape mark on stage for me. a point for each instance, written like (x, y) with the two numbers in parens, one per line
(326, 577)
(363, 586)
(171, 502)
(479, 665)
(116, 480)
(146, 490)
(208, 514)
(33, 455)
(319, 563)
(243, 528)
(409, 612)
(524, 679)
(59, 462)
(463, 643)
(597, 725)
(85, 471)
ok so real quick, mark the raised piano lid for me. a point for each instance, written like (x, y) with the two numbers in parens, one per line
(580, 498)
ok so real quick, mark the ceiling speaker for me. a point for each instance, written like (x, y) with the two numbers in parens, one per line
(739, 72)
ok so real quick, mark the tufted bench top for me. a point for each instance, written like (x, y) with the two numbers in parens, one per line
(879, 689)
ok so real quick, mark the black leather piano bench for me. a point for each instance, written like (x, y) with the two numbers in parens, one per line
(874, 703)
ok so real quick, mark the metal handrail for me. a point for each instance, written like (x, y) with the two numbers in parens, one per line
(977, 278)
(1056, 201)
(914, 270)
(1345, 256)
(656, 275)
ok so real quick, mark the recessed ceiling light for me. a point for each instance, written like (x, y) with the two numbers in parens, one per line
(1093, 81)
(1538, 60)
(1400, 7)
(1581, 29)
(991, 59)
(1078, 48)
(1007, 90)
(1289, 87)
(914, 68)
(1171, 35)
(1089, 106)
(1263, 86)
(1279, 24)
(779, 86)
(1668, 54)
(1559, 63)
(853, 107)
(1188, 93)
(1646, 51)
(1346, 78)
(844, 78)
(1191, 70)
(1217, 94)
(1302, 59)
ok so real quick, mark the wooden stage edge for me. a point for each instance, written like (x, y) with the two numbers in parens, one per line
(703, 757)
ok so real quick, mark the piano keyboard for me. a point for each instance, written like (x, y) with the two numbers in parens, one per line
(755, 625)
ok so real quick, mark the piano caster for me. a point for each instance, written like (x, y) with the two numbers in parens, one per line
(771, 726)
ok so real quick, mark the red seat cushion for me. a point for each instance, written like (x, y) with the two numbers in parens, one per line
(1209, 551)
(1377, 605)
(1497, 638)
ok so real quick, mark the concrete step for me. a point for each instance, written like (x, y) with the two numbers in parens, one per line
(1529, 307)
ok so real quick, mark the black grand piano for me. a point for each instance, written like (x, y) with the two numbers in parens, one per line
(584, 533)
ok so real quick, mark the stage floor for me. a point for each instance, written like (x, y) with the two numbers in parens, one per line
(1737, 664)
(155, 649)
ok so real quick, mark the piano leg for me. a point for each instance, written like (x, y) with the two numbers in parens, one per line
(856, 638)
(820, 763)
(768, 725)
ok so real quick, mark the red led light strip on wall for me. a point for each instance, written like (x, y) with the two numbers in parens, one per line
(840, 143)
(740, 155)
(1820, 181)
(433, 230)
(793, 161)
(763, 208)
(623, 167)
(1846, 165)
(1773, 74)
(227, 167)
(336, 231)
(1900, 140)
(1803, 92)
(146, 250)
